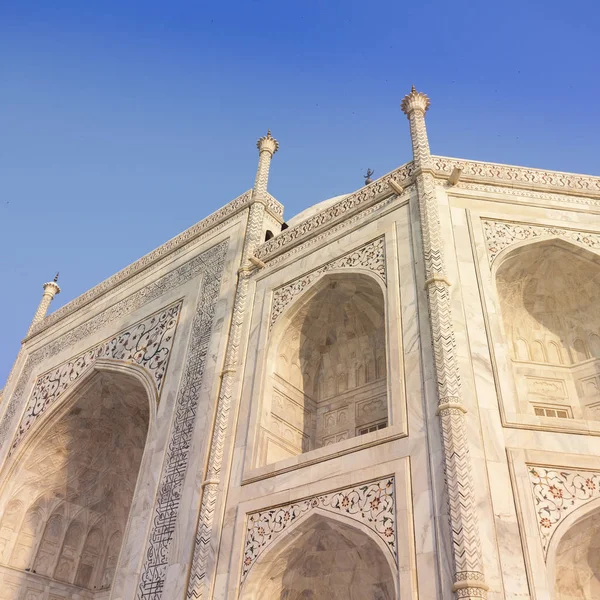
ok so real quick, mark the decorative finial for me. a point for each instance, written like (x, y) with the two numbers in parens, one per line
(56, 277)
(415, 100)
(268, 142)
(367, 177)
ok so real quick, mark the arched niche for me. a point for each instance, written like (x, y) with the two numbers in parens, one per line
(574, 557)
(548, 293)
(74, 480)
(326, 376)
(320, 559)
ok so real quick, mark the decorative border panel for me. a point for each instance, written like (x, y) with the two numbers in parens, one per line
(343, 209)
(517, 176)
(501, 234)
(557, 493)
(372, 504)
(520, 193)
(175, 467)
(163, 253)
(147, 344)
(371, 256)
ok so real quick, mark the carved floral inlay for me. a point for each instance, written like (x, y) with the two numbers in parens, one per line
(147, 344)
(557, 493)
(372, 504)
(370, 256)
(500, 235)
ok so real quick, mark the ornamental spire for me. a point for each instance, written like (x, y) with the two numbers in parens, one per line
(414, 106)
(51, 289)
(267, 146)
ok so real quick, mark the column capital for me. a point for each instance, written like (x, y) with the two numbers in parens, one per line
(52, 288)
(267, 143)
(415, 101)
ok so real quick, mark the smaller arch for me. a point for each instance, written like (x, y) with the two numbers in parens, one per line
(554, 353)
(580, 350)
(578, 517)
(302, 540)
(71, 548)
(538, 352)
(522, 349)
(90, 556)
(50, 542)
(595, 345)
(27, 539)
(9, 525)
(111, 559)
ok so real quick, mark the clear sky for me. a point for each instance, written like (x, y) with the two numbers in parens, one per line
(123, 123)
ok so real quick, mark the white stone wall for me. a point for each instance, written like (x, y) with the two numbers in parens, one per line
(163, 510)
(508, 439)
(535, 476)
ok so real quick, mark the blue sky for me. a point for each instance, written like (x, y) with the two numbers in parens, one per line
(123, 123)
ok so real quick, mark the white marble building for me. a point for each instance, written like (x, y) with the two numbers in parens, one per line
(395, 396)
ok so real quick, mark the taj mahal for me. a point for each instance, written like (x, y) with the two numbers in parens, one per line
(393, 395)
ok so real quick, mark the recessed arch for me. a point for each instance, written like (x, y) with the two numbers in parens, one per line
(548, 293)
(326, 367)
(323, 556)
(81, 462)
(573, 557)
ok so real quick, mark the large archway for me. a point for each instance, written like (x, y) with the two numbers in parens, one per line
(548, 294)
(322, 559)
(327, 369)
(577, 561)
(66, 501)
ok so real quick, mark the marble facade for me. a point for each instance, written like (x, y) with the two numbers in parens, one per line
(397, 395)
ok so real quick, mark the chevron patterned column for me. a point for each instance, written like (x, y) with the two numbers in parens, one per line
(468, 564)
(200, 579)
(50, 290)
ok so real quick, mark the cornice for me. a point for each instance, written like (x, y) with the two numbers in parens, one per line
(150, 259)
(327, 218)
(519, 177)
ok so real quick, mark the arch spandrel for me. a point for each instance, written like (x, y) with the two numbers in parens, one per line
(323, 555)
(146, 344)
(501, 237)
(368, 260)
(370, 505)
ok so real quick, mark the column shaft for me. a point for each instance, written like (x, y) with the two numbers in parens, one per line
(466, 544)
(201, 579)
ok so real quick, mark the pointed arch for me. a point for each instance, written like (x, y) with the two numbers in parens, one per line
(331, 333)
(82, 460)
(323, 555)
(547, 292)
(573, 555)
